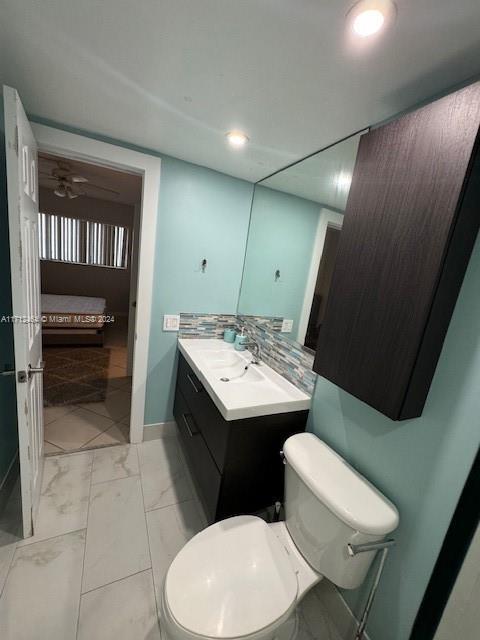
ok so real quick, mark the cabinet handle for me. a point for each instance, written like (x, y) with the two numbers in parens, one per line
(187, 424)
(192, 382)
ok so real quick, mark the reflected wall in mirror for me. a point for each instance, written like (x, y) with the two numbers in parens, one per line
(295, 226)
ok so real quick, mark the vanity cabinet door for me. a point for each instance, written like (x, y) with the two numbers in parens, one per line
(214, 427)
(410, 225)
(201, 462)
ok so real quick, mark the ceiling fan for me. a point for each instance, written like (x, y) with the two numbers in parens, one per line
(68, 183)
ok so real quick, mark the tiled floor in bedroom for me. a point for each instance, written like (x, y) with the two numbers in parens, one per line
(110, 522)
(88, 394)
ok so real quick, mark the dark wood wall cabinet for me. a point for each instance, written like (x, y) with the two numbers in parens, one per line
(411, 221)
(236, 463)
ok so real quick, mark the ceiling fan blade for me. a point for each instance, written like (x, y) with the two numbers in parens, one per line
(96, 186)
(71, 194)
(77, 178)
(60, 192)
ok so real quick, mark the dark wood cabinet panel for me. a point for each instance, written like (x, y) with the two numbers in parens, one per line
(410, 224)
(206, 413)
(201, 463)
(235, 463)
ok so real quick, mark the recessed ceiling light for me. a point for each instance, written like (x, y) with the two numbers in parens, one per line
(237, 139)
(368, 22)
(368, 17)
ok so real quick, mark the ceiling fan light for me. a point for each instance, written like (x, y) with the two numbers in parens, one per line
(60, 191)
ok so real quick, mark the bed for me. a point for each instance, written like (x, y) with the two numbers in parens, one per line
(72, 319)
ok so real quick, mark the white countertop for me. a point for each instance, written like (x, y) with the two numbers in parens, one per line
(260, 391)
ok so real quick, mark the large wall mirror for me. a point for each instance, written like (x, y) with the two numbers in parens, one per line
(295, 226)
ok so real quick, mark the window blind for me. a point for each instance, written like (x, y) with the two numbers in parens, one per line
(65, 239)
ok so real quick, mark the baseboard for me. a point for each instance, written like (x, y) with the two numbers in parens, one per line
(338, 610)
(159, 430)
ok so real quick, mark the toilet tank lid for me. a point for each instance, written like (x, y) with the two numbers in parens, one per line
(350, 496)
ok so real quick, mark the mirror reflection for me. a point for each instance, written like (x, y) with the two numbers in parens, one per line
(295, 227)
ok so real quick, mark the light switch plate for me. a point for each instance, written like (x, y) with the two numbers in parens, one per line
(287, 325)
(171, 322)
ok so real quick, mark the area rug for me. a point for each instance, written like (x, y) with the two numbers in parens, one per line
(74, 375)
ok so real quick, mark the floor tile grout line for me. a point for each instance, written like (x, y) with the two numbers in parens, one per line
(53, 444)
(107, 584)
(104, 432)
(167, 506)
(146, 528)
(85, 545)
(8, 570)
(171, 504)
(132, 475)
(74, 452)
(65, 414)
(102, 414)
(115, 445)
(98, 434)
(21, 544)
(148, 541)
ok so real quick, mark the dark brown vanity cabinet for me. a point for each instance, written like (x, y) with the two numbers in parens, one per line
(410, 224)
(236, 463)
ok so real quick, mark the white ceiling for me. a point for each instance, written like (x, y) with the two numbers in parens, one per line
(175, 75)
(128, 187)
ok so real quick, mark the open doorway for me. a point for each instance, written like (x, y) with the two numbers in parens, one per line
(89, 248)
(322, 286)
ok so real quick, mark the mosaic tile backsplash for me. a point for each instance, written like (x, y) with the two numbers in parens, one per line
(285, 357)
(205, 325)
(272, 323)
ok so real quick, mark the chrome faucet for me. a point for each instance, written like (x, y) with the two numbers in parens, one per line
(254, 348)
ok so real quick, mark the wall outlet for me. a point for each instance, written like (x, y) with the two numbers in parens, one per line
(171, 322)
(287, 325)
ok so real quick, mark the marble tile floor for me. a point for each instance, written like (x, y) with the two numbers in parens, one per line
(104, 422)
(110, 522)
(89, 425)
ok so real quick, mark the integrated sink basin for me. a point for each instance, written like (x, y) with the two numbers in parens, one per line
(218, 358)
(239, 388)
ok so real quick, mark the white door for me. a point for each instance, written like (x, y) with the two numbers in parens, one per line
(21, 154)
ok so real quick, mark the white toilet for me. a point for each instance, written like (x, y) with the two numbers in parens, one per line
(243, 578)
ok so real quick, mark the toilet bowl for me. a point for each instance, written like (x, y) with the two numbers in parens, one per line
(243, 578)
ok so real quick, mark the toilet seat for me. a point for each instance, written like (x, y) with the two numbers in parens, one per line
(231, 580)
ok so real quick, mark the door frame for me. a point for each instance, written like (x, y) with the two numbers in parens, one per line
(77, 147)
(455, 547)
(326, 218)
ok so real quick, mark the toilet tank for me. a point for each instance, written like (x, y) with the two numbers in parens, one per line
(327, 505)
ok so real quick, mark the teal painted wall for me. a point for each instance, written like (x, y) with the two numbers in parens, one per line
(282, 235)
(203, 214)
(421, 464)
(8, 402)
